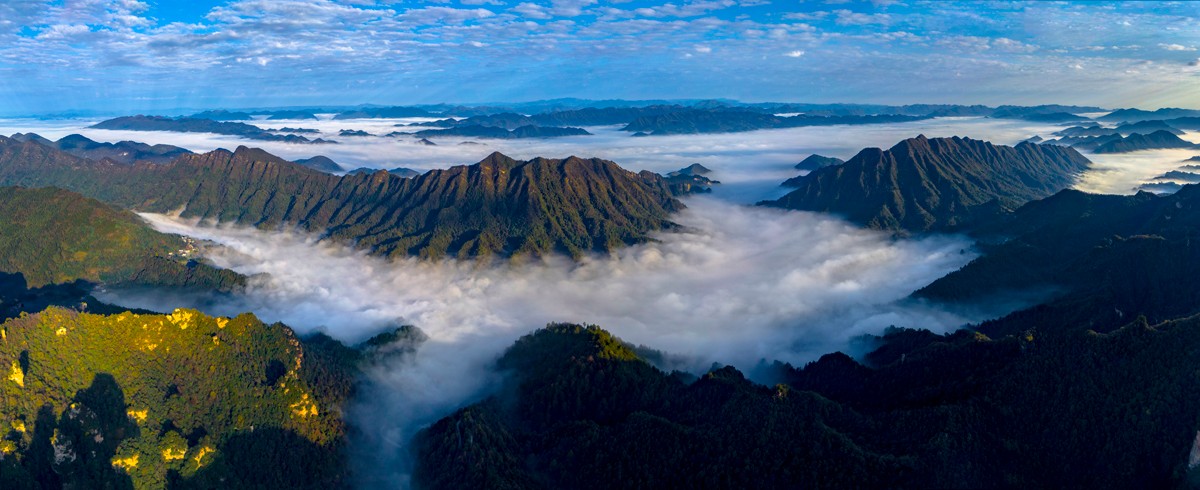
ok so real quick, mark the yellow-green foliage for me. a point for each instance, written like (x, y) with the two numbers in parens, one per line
(212, 376)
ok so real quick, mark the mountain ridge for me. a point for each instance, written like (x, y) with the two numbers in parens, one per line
(498, 206)
(939, 184)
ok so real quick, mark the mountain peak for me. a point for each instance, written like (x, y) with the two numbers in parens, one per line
(257, 155)
(497, 207)
(499, 160)
(937, 184)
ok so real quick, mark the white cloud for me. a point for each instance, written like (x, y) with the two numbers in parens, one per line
(1175, 47)
(794, 54)
(1012, 46)
(806, 15)
(569, 8)
(850, 18)
(63, 31)
(703, 49)
(531, 10)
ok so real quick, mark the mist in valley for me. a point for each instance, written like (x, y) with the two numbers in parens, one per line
(738, 285)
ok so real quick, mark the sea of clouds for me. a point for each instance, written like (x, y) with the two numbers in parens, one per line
(736, 285)
(739, 285)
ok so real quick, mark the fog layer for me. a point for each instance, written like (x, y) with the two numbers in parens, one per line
(741, 285)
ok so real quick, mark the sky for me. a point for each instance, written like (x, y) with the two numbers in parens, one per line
(131, 55)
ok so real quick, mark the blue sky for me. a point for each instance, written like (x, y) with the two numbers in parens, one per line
(130, 55)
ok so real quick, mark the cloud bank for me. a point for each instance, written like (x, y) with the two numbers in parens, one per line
(740, 285)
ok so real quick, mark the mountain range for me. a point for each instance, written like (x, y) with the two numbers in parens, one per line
(195, 125)
(938, 184)
(121, 151)
(1093, 387)
(1135, 115)
(1161, 139)
(691, 121)
(498, 206)
(477, 131)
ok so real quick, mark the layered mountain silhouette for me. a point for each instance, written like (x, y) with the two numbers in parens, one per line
(692, 121)
(196, 125)
(939, 184)
(498, 206)
(1147, 127)
(383, 112)
(121, 151)
(1135, 115)
(478, 131)
(1161, 139)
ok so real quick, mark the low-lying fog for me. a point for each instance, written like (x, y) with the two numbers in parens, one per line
(1122, 173)
(744, 284)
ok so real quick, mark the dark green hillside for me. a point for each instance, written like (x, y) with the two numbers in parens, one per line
(186, 400)
(53, 236)
(1110, 258)
(938, 184)
(1044, 408)
(498, 206)
(586, 412)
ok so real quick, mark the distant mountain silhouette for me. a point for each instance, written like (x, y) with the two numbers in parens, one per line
(692, 121)
(1135, 115)
(193, 125)
(121, 151)
(322, 163)
(1157, 140)
(477, 131)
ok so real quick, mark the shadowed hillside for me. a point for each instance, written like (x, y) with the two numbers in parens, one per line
(938, 184)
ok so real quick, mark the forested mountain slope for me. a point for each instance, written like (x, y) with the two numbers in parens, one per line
(939, 184)
(498, 206)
